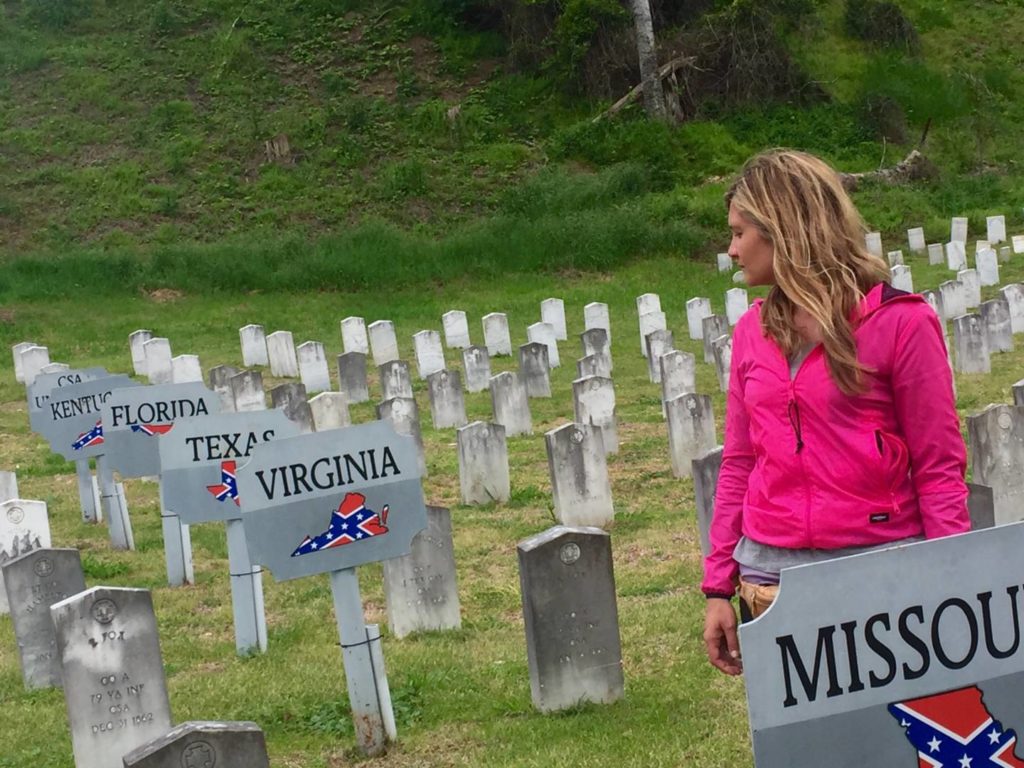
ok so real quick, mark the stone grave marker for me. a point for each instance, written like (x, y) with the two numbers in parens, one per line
(996, 229)
(429, 352)
(24, 527)
(981, 245)
(1005, 254)
(995, 316)
(705, 469)
(935, 254)
(934, 299)
(567, 584)
(403, 414)
(649, 323)
(351, 480)
(383, 342)
(1014, 295)
(873, 242)
(595, 315)
(956, 255)
(895, 258)
(219, 380)
(113, 674)
(254, 345)
(647, 304)
(420, 588)
(958, 229)
(136, 340)
(16, 351)
(594, 403)
(1018, 392)
(712, 327)
(736, 304)
(159, 360)
(330, 411)
(33, 360)
(972, 287)
(447, 403)
(510, 403)
(496, 337)
(352, 377)
(533, 368)
(987, 267)
(914, 665)
(476, 364)
(186, 368)
(456, 329)
(1018, 243)
(980, 506)
(724, 262)
(314, 372)
(8, 485)
(203, 744)
(291, 398)
(996, 437)
(902, 279)
(678, 375)
(915, 240)
(395, 380)
(353, 336)
(579, 475)
(595, 342)
(658, 344)
(35, 581)
(971, 345)
(552, 311)
(53, 368)
(544, 333)
(954, 298)
(691, 430)
(281, 351)
(483, 463)
(697, 309)
(722, 347)
(247, 391)
(593, 365)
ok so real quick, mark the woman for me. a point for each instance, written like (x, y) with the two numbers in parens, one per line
(841, 430)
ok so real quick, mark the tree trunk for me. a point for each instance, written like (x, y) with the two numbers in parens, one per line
(654, 98)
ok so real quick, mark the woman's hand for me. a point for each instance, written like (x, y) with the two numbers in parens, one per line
(720, 637)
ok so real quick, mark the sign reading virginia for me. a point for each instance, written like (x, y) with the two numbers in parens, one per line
(71, 416)
(331, 500)
(199, 460)
(911, 656)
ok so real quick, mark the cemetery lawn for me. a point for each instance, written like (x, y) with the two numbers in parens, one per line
(461, 698)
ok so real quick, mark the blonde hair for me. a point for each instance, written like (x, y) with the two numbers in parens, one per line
(821, 262)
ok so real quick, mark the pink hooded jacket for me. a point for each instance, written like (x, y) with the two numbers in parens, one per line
(805, 466)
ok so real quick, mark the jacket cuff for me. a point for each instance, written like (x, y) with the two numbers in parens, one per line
(719, 595)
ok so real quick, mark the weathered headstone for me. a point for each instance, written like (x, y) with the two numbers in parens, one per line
(456, 329)
(995, 229)
(594, 403)
(247, 391)
(958, 229)
(447, 403)
(705, 469)
(895, 258)
(736, 304)
(956, 255)
(203, 744)
(254, 345)
(353, 335)
(113, 673)
(995, 316)
(35, 581)
(33, 361)
(691, 430)
(1005, 254)
(971, 345)
(647, 304)
(972, 287)
(186, 368)
(291, 398)
(510, 403)
(496, 337)
(159, 360)
(595, 342)
(534, 369)
(219, 380)
(1018, 392)
(476, 364)
(678, 375)
(281, 351)
(136, 340)
(383, 342)
(1018, 243)
(16, 351)
(996, 437)
(483, 463)
(722, 348)
(649, 323)
(330, 411)
(987, 265)
(24, 527)
(429, 352)
(902, 279)
(567, 585)
(935, 254)
(954, 298)
(934, 299)
(544, 333)
(314, 373)
(594, 365)
(1014, 295)
(8, 485)
(915, 240)
(552, 311)
(420, 588)
(712, 327)
(403, 415)
(595, 315)
(54, 368)
(578, 468)
(395, 380)
(352, 377)
(981, 506)
(658, 344)
(873, 242)
(697, 309)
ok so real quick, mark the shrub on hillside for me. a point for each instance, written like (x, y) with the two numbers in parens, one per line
(881, 22)
(57, 14)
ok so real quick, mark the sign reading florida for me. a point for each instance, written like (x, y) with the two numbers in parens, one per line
(911, 656)
(331, 500)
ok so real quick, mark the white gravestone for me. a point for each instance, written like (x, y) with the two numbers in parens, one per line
(697, 309)
(895, 257)
(595, 315)
(403, 415)
(678, 375)
(934, 299)
(534, 368)
(247, 391)
(395, 380)
(996, 437)
(996, 229)
(594, 341)
(113, 673)
(958, 229)
(544, 333)
(956, 255)
(691, 430)
(254, 345)
(281, 350)
(204, 744)
(597, 364)
(646, 304)
(314, 372)
(873, 242)
(915, 240)
(995, 316)
(483, 463)
(33, 361)
(135, 341)
(447, 403)
(54, 368)
(291, 398)
(987, 265)
(429, 352)
(476, 364)
(712, 327)
(902, 279)
(722, 347)
(571, 619)
(579, 476)
(971, 345)
(456, 329)
(594, 404)
(330, 411)
(16, 351)
(981, 245)
(658, 344)
(420, 588)
(352, 377)
(954, 298)
(510, 404)
(705, 469)
(24, 527)
(972, 287)
(736, 304)
(8, 485)
(1014, 295)
(383, 342)
(496, 337)
(159, 361)
(552, 311)
(649, 323)
(353, 335)
(1005, 254)
(936, 254)
(1018, 243)
(219, 379)
(724, 262)
(186, 368)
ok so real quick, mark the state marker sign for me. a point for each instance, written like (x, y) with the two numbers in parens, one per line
(71, 419)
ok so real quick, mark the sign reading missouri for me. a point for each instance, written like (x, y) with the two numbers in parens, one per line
(199, 460)
(71, 419)
(331, 500)
(910, 656)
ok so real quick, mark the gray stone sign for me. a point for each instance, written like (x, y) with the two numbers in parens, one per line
(71, 420)
(203, 744)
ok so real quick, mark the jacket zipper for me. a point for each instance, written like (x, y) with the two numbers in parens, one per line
(793, 411)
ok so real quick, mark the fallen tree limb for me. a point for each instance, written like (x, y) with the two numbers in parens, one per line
(914, 167)
(665, 70)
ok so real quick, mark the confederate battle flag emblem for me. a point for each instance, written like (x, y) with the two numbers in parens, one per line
(350, 522)
(93, 437)
(955, 730)
(152, 429)
(228, 486)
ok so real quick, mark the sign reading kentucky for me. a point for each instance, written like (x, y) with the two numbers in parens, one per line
(199, 460)
(134, 420)
(39, 393)
(331, 500)
(71, 417)
(910, 656)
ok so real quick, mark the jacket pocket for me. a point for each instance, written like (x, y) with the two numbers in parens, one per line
(894, 458)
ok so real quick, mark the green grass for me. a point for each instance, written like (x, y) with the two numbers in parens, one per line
(461, 697)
